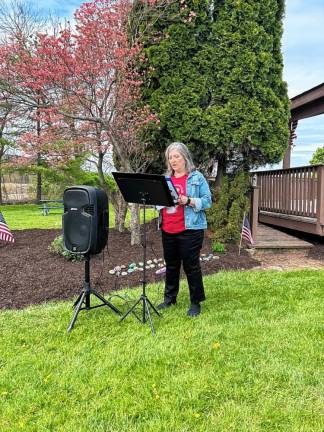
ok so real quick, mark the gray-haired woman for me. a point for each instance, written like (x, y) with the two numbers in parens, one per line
(183, 227)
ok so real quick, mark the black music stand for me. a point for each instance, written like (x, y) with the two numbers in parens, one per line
(145, 189)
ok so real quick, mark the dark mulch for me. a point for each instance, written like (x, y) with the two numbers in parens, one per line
(30, 274)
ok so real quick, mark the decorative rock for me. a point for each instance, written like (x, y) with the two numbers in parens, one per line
(140, 264)
(215, 257)
(124, 273)
(155, 260)
(111, 271)
(147, 267)
(123, 266)
(160, 265)
(160, 259)
(160, 271)
(149, 262)
(152, 266)
(140, 269)
(130, 270)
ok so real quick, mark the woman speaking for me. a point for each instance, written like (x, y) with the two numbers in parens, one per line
(183, 227)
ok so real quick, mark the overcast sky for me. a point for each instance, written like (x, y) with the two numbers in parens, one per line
(303, 51)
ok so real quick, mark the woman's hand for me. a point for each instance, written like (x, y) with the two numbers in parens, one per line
(183, 200)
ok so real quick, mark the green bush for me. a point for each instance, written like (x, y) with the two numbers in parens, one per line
(218, 247)
(229, 204)
(57, 248)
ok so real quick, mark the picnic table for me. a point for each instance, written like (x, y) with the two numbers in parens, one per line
(46, 205)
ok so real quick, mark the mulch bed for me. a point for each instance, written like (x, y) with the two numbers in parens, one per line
(30, 274)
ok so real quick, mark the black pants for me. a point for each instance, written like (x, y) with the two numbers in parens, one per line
(183, 247)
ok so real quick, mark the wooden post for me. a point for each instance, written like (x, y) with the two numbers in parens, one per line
(287, 157)
(254, 214)
(320, 199)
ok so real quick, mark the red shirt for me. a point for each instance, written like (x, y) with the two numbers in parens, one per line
(173, 218)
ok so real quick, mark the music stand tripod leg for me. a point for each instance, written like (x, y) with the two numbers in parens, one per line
(153, 307)
(130, 310)
(146, 306)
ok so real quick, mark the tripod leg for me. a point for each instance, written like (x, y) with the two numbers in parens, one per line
(153, 307)
(130, 310)
(76, 311)
(144, 310)
(106, 302)
(77, 300)
(146, 306)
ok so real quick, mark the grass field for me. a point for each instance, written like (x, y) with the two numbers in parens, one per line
(253, 361)
(29, 216)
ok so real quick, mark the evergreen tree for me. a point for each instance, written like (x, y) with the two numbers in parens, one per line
(214, 77)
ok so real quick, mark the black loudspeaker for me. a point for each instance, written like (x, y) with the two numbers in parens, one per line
(85, 219)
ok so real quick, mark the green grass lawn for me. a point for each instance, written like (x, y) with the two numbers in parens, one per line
(28, 216)
(251, 362)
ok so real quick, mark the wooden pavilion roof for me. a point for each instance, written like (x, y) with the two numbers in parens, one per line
(308, 104)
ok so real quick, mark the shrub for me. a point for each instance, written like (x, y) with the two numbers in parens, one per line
(229, 204)
(218, 247)
(57, 248)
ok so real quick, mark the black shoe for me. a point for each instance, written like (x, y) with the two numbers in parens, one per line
(194, 310)
(166, 304)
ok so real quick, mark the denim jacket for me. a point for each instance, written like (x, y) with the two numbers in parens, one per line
(197, 188)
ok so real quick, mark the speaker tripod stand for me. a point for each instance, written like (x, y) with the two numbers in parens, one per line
(83, 302)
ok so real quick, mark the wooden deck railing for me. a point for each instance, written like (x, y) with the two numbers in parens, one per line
(293, 192)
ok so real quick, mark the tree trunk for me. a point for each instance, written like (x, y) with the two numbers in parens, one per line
(115, 197)
(120, 208)
(135, 224)
(1, 154)
(39, 185)
(221, 172)
(39, 160)
(0, 183)
(101, 176)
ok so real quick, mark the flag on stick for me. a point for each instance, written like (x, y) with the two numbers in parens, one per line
(246, 233)
(5, 233)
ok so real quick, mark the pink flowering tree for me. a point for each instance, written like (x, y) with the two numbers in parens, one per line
(84, 84)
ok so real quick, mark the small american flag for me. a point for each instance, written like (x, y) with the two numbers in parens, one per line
(246, 231)
(5, 233)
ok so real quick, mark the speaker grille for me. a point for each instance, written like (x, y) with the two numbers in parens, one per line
(77, 231)
(89, 209)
